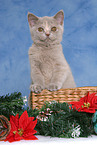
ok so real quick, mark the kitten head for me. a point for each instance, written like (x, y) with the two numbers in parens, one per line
(46, 30)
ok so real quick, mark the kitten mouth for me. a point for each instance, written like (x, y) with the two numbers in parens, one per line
(47, 39)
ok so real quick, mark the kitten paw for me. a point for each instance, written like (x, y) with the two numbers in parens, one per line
(36, 88)
(53, 87)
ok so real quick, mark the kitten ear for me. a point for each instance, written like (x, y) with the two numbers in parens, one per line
(32, 19)
(59, 17)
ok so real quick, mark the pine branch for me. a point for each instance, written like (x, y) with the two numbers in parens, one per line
(62, 121)
(11, 104)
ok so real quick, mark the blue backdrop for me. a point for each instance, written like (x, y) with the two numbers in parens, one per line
(79, 40)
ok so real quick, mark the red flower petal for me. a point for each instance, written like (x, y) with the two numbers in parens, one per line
(15, 119)
(13, 125)
(31, 118)
(31, 125)
(22, 128)
(17, 137)
(30, 137)
(86, 104)
(24, 120)
(28, 132)
(13, 137)
(10, 139)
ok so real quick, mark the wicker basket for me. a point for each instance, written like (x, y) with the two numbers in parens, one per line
(62, 95)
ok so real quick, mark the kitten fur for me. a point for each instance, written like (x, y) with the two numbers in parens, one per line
(49, 68)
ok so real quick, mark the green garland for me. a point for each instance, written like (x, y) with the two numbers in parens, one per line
(58, 120)
(53, 119)
(11, 104)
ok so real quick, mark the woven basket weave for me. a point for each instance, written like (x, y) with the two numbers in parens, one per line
(5, 127)
(62, 95)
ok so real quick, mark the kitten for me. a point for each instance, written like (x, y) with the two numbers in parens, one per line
(49, 68)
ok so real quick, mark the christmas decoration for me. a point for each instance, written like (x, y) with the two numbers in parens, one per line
(22, 128)
(11, 104)
(58, 120)
(4, 127)
(67, 120)
(94, 119)
(86, 104)
(76, 131)
(25, 101)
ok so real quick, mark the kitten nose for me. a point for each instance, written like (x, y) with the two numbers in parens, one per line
(47, 34)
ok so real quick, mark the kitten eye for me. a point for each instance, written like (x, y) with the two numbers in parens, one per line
(40, 29)
(53, 29)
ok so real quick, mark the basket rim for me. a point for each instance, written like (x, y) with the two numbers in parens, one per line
(76, 88)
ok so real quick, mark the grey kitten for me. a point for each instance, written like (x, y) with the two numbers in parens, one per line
(49, 68)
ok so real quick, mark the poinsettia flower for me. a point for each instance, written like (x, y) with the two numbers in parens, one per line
(86, 104)
(22, 128)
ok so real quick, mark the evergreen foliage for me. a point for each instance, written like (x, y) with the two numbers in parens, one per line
(62, 121)
(11, 104)
(53, 119)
